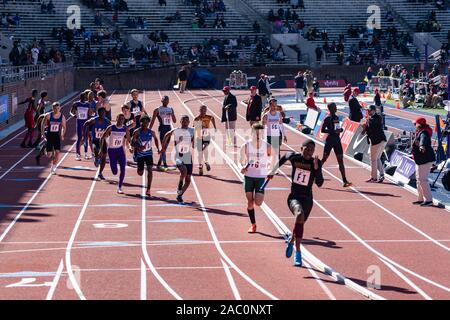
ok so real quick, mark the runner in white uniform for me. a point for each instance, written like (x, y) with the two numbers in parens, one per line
(256, 160)
(273, 121)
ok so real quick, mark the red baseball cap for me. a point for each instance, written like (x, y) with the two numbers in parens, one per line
(421, 120)
(253, 88)
(356, 90)
(226, 88)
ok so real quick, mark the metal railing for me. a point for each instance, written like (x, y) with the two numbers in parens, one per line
(11, 74)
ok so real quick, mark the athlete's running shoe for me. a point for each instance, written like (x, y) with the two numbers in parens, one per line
(78, 157)
(298, 259)
(289, 247)
(200, 170)
(208, 167)
(119, 191)
(426, 204)
(381, 179)
(147, 193)
(101, 177)
(347, 184)
(180, 199)
(371, 180)
(252, 229)
(87, 157)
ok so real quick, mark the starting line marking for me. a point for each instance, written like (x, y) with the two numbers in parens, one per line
(110, 225)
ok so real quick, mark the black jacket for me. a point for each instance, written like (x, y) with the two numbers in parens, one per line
(262, 88)
(355, 109)
(232, 110)
(423, 139)
(254, 109)
(299, 82)
(182, 75)
(374, 130)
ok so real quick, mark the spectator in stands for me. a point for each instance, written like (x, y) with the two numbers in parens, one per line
(377, 139)
(162, 3)
(355, 113)
(182, 79)
(256, 27)
(35, 54)
(299, 86)
(424, 157)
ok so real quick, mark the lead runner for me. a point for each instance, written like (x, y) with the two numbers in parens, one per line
(306, 170)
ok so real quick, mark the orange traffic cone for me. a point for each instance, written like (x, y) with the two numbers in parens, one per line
(324, 99)
(397, 105)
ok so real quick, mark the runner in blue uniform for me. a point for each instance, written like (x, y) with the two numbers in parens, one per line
(166, 117)
(142, 143)
(136, 106)
(95, 128)
(80, 110)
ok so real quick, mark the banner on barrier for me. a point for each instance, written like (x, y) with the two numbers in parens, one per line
(317, 129)
(4, 108)
(349, 132)
(332, 83)
(405, 166)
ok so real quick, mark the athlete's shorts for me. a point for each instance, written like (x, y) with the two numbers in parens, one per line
(180, 165)
(53, 142)
(144, 161)
(273, 139)
(333, 142)
(305, 203)
(201, 144)
(162, 131)
(253, 184)
(96, 143)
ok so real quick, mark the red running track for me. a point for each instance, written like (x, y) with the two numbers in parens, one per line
(76, 238)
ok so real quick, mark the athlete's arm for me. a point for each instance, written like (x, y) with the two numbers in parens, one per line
(73, 110)
(243, 158)
(166, 140)
(127, 139)
(264, 118)
(174, 119)
(104, 136)
(282, 161)
(44, 123)
(326, 125)
(282, 129)
(214, 123)
(156, 141)
(63, 127)
(134, 143)
(318, 176)
(86, 125)
(155, 114)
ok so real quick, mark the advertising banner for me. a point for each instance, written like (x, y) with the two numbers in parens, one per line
(350, 128)
(405, 166)
(318, 127)
(4, 108)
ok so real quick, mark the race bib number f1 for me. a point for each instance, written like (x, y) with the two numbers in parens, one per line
(301, 177)
(337, 126)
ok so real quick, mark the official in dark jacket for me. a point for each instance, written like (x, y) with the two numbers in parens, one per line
(229, 114)
(254, 107)
(263, 91)
(299, 85)
(424, 157)
(355, 113)
(377, 140)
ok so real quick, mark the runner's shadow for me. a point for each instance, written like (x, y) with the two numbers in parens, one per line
(320, 242)
(222, 179)
(269, 235)
(223, 212)
(66, 176)
(370, 193)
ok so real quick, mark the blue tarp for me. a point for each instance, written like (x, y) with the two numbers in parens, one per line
(201, 78)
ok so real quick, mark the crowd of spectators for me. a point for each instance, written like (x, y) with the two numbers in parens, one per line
(109, 5)
(204, 9)
(34, 53)
(440, 4)
(430, 24)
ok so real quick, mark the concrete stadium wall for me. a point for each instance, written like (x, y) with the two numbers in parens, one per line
(164, 79)
(57, 85)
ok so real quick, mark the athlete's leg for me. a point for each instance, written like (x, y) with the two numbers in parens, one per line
(187, 182)
(113, 159)
(250, 206)
(149, 176)
(56, 157)
(340, 160)
(122, 163)
(79, 134)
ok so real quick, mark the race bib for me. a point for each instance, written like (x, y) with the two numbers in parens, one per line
(54, 127)
(301, 177)
(116, 141)
(136, 110)
(166, 121)
(337, 126)
(147, 147)
(82, 113)
(129, 123)
(183, 148)
(275, 129)
(99, 133)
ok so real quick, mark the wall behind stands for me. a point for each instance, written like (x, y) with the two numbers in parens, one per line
(57, 85)
(164, 79)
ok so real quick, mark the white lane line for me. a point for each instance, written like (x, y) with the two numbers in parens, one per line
(319, 281)
(16, 163)
(55, 281)
(143, 281)
(282, 229)
(235, 290)
(408, 281)
(6, 142)
(144, 245)
(35, 194)
(272, 217)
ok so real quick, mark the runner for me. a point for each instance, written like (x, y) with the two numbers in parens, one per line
(184, 143)
(142, 143)
(332, 128)
(119, 137)
(136, 106)
(273, 122)
(80, 110)
(56, 129)
(165, 117)
(256, 158)
(202, 124)
(306, 171)
(41, 141)
(91, 113)
(29, 118)
(102, 101)
(95, 127)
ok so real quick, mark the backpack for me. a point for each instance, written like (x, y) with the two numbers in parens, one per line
(446, 180)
